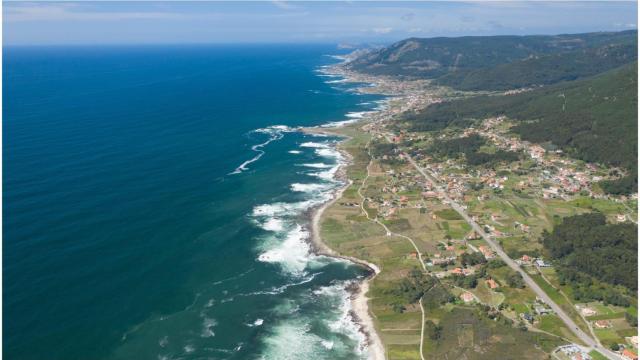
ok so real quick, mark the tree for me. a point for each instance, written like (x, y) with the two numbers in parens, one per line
(515, 280)
(434, 332)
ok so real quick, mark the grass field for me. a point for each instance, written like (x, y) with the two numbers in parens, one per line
(597, 356)
(468, 334)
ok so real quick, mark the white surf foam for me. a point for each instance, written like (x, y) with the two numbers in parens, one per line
(292, 254)
(318, 165)
(339, 123)
(207, 327)
(308, 188)
(327, 344)
(358, 114)
(329, 153)
(328, 175)
(258, 322)
(291, 340)
(314, 145)
(282, 209)
(295, 152)
(273, 224)
(343, 322)
(275, 132)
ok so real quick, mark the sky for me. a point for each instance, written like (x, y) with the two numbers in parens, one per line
(349, 22)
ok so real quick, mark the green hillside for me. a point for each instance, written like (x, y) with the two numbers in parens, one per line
(543, 70)
(594, 119)
(434, 57)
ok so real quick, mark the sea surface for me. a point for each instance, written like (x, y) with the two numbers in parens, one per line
(156, 203)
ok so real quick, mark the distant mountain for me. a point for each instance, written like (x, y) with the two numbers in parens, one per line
(594, 119)
(543, 69)
(459, 62)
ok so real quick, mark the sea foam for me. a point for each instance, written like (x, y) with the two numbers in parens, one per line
(275, 132)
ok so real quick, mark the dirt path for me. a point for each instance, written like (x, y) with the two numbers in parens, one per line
(390, 233)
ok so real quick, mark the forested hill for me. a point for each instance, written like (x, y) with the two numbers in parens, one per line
(594, 119)
(501, 62)
(542, 70)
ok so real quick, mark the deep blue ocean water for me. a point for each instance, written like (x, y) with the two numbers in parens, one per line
(129, 230)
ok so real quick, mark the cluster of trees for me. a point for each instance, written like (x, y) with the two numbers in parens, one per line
(418, 285)
(495, 264)
(470, 147)
(631, 319)
(380, 149)
(470, 259)
(586, 288)
(625, 185)
(433, 331)
(514, 279)
(598, 259)
(467, 282)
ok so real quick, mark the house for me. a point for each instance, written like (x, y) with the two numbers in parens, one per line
(628, 354)
(633, 340)
(492, 284)
(587, 311)
(526, 258)
(541, 310)
(542, 263)
(488, 254)
(527, 317)
(621, 217)
(472, 236)
(467, 297)
(460, 271)
(429, 194)
(602, 324)
(413, 255)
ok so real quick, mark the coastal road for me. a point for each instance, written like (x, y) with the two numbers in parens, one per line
(589, 341)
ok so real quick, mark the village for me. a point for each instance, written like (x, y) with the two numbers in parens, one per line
(513, 203)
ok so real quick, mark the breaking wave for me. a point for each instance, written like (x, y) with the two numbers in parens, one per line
(275, 132)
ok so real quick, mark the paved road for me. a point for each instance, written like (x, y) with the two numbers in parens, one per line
(512, 264)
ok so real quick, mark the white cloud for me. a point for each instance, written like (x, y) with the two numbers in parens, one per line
(75, 12)
(382, 30)
(282, 4)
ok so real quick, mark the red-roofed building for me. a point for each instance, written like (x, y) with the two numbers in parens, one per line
(628, 354)
(468, 297)
(492, 284)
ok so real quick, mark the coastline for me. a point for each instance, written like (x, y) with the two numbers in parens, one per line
(359, 299)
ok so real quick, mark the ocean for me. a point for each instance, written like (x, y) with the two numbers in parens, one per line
(156, 203)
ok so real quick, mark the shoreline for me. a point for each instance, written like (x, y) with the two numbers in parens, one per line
(358, 298)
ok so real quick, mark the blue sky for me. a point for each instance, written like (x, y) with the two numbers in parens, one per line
(118, 22)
